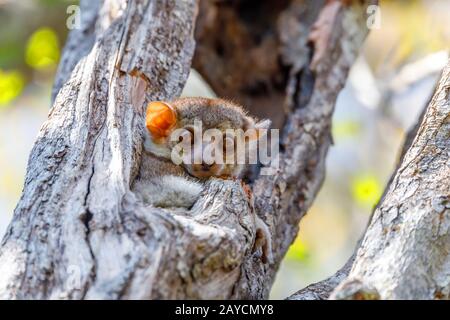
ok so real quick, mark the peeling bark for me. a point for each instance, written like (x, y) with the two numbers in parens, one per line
(78, 232)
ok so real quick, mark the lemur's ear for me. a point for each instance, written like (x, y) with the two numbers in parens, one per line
(259, 129)
(262, 128)
(160, 119)
(265, 124)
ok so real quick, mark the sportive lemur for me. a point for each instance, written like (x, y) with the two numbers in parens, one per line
(162, 183)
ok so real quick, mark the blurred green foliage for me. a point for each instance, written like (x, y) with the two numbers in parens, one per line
(345, 129)
(42, 49)
(11, 85)
(30, 39)
(11, 52)
(298, 251)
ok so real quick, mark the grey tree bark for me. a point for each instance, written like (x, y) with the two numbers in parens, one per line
(78, 232)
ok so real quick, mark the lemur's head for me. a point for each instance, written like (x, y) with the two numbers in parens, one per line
(203, 135)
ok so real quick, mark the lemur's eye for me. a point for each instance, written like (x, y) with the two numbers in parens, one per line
(188, 134)
(184, 135)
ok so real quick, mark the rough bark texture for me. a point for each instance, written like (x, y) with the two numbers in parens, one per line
(354, 288)
(405, 253)
(322, 290)
(79, 232)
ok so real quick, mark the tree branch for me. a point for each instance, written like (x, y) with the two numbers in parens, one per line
(321, 290)
(405, 251)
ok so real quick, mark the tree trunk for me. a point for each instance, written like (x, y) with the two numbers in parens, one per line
(405, 252)
(78, 232)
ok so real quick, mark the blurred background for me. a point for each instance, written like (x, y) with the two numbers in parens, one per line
(388, 86)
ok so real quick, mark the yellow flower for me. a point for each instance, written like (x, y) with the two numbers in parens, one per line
(346, 129)
(42, 49)
(298, 251)
(11, 85)
(366, 190)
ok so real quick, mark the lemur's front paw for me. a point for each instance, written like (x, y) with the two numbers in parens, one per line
(263, 240)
